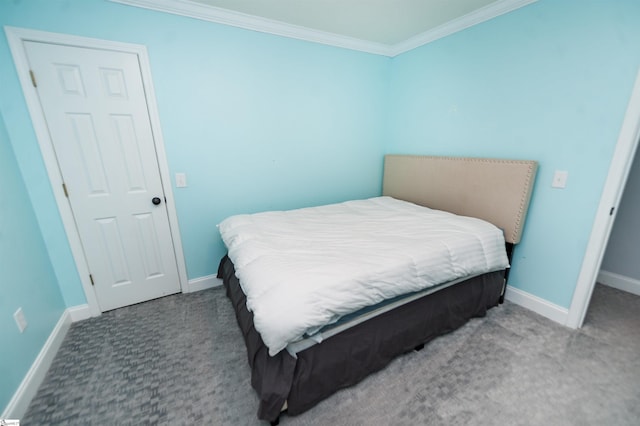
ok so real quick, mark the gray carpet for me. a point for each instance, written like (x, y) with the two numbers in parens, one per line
(181, 360)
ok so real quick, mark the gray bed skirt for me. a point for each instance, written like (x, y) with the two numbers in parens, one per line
(348, 357)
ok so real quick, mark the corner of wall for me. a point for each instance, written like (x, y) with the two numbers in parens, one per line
(621, 282)
(536, 304)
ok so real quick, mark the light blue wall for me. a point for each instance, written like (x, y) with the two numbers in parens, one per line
(256, 121)
(548, 82)
(27, 279)
(27, 152)
(262, 122)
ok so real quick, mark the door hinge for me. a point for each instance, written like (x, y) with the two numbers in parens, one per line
(611, 211)
(33, 78)
(91, 278)
(64, 188)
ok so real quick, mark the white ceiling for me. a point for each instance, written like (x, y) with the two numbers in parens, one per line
(384, 27)
(380, 21)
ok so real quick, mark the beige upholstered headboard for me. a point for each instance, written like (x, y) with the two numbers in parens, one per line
(495, 190)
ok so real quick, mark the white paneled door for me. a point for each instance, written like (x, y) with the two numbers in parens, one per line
(96, 111)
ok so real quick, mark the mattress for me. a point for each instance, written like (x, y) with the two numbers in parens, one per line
(304, 269)
(368, 312)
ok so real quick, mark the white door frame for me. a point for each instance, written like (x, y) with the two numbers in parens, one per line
(621, 162)
(16, 38)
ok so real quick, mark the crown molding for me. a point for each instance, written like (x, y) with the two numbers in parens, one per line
(250, 22)
(218, 15)
(483, 14)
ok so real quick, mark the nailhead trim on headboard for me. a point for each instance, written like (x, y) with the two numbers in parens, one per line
(475, 191)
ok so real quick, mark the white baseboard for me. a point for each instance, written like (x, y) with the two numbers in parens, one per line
(621, 282)
(202, 283)
(79, 312)
(21, 399)
(19, 403)
(538, 305)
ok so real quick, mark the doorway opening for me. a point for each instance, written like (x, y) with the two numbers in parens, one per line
(614, 186)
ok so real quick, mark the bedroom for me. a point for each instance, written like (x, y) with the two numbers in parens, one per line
(550, 81)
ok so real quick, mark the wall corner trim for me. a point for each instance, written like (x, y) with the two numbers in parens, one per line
(621, 282)
(538, 305)
(476, 17)
(232, 18)
(203, 283)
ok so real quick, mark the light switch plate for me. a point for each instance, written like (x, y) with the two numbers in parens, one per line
(560, 179)
(181, 180)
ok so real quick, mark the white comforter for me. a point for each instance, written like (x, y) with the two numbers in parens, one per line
(303, 269)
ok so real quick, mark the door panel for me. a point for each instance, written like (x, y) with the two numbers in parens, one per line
(113, 249)
(147, 236)
(96, 111)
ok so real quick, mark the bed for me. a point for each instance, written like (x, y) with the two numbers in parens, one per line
(295, 374)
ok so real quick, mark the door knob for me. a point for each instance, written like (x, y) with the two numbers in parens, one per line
(156, 200)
